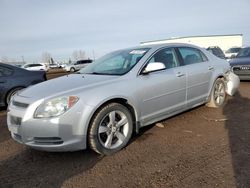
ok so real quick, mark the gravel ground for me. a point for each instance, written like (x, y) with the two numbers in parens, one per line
(203, 147)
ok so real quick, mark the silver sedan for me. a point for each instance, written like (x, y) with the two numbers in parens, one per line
(104, 103)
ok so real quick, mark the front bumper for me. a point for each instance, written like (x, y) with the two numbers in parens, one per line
(243, 71)
(232, 83)
(67, 68)
(67, 132)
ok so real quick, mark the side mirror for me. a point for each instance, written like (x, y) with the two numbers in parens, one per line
(153, 66)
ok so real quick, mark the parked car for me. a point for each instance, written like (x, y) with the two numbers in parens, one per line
(18, 65)
(35, 67)
(241, 64)
(54, 66)
(13, 79)
(232, 52)
(116, 95)
(62, 65)
(217, 51)
(77, 65)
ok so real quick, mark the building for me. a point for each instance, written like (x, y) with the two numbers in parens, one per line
(223, 41)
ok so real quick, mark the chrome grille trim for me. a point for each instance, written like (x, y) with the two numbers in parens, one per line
(20, 104)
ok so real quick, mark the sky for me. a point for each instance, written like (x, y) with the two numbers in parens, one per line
(28, 28)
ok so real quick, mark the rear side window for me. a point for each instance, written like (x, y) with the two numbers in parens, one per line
(84, 61)
(192, 55)
(4, 71)
(167, 57)
(36, 65)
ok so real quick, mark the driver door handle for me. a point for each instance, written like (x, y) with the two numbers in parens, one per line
(210, 68)
(179, 74)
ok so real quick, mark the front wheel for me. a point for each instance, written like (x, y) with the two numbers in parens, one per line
(72, 69)
(110, 129)
(218, 94)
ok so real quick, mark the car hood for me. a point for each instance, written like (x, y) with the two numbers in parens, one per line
(240, 61)
(65, 84)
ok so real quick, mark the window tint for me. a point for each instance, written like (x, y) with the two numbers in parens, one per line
(84, 61)
(191, 55)
(166, 56)
(4, 71)
(233, 50)
(32, 65)
(204, 57)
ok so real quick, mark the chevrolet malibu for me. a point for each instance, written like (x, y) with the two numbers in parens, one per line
(104, 103)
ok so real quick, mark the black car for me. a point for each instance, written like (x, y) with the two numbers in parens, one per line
(217, 51)
(241, 64)
(13, 78)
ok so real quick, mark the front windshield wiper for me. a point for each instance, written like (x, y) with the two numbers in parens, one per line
(98, 73)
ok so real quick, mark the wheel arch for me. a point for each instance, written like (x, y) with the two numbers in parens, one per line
(120, 100)
(11, 89)
(212, 84)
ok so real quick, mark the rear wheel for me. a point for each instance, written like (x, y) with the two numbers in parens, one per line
(218, 94)
(11, 93)
(110, 129)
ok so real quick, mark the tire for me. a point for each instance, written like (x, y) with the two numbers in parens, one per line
(218, 94)
(12, 93)
(72, 69)
(110, 129)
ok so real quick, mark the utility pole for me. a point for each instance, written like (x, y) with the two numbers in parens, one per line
(93, 52)
(23, 59)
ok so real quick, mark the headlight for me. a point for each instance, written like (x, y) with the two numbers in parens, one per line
(55, 107)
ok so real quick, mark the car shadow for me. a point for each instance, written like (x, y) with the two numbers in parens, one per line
(4, 133)
(3, 108)
(32, 168)
(238, 126)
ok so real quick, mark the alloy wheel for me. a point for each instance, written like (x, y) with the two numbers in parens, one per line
(113, 129)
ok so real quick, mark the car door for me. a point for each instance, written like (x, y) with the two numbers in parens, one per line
(162, 92)
(5, 82)
(78, 65)
(199, 71)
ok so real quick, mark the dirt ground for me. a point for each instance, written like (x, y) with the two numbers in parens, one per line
(203, 147)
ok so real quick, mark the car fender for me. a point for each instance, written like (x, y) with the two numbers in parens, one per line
(99, 104)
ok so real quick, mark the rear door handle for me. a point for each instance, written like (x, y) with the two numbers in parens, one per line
(179, 74)
(210, 68)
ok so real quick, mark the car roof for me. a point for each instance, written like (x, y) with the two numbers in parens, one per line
(157, 46)
(7, 65)
(12, 67)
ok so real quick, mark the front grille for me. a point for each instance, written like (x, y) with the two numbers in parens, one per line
(245, 68)
(20, 104)
(241, 70)
(15, 120)
(48, 140)
(236, 68)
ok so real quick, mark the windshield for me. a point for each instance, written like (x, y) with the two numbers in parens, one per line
(233, 50)
(115, 63)
(244, 52)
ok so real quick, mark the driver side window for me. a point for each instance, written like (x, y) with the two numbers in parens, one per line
(167, 57)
